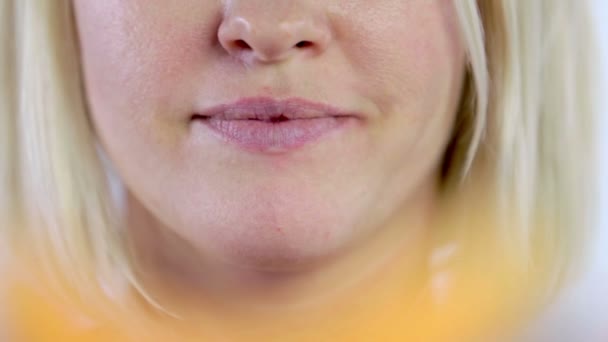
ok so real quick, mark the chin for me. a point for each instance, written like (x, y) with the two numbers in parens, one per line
(271, 240)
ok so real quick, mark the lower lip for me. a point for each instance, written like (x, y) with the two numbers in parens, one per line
(266, 136)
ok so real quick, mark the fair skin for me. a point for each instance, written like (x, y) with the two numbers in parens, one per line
(200, 205)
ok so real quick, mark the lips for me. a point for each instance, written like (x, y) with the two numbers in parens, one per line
(270, 125)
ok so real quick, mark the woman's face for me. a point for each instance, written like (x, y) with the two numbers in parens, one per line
(272, 133)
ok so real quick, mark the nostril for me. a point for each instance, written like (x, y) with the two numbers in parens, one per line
(241, 44)
(304, 44)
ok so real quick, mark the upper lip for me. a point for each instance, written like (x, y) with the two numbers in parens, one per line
(267, 109)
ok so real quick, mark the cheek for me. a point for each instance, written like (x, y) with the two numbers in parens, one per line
(409, 51)
(414, 65)
(137, 47)
(139, 68)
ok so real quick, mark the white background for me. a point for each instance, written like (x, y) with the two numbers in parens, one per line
(582, 314)
(599, 277)
(600, 262)
(602, 21)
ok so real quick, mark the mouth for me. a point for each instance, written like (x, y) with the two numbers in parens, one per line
(269, 125)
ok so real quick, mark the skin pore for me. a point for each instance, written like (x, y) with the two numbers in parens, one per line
(208, 217)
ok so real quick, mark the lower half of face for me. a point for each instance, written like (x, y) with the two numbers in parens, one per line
(264, 154)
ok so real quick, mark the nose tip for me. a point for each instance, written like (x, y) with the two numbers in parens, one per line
(268, 42)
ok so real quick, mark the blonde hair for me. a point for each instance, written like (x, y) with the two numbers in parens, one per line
(526, 119)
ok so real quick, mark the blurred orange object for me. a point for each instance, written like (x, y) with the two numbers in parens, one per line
(481, 302)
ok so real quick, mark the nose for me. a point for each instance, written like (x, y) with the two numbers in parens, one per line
(269, 31)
